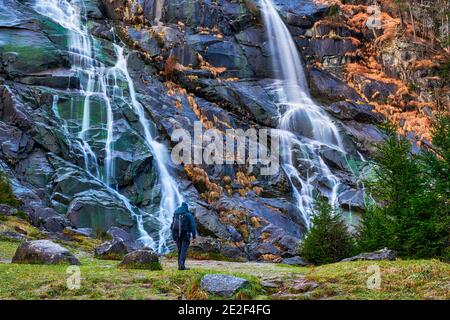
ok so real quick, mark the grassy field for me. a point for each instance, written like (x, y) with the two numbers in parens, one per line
(102, 279)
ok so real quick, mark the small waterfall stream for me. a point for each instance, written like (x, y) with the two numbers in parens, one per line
(306, 130)
(171, 197)
(106, 83)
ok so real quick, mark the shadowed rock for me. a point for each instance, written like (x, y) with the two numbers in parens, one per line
(111, 250)
(221, 284)
(294, 261)
(205, 245)
(347, 110)
(328, 88)
(43, 252)
(383, 254)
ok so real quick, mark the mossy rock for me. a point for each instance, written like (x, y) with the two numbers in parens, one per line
(24, 52)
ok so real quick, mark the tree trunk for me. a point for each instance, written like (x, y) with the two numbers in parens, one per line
(412, 19)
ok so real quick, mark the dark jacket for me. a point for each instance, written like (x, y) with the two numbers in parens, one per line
(183, 209)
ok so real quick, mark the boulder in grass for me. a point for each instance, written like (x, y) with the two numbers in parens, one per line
(383, 254)
(141, 259)
(111, 250)
(120, 234)
(43, 252)
(294, 261)
(222, 284)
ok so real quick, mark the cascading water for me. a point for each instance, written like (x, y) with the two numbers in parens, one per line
(305, 129)
(158, 11)
(95, 82)
(171, 197)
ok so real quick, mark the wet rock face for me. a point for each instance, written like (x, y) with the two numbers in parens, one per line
(364, 113)
(322, 48)
(329, 88)
(25, 48)
(98, 210)
(43, 252)
(365, 136)
(41, 141)
(41, 150)
(301, 8)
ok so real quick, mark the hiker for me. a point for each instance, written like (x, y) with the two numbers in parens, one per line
(183, 227)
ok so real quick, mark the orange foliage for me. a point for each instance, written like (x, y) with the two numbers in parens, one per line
(271, 257)
(424, 64)
(204, 65)
(201, 181)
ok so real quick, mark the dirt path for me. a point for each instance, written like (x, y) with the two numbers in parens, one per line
(263, 271)
(280, 281)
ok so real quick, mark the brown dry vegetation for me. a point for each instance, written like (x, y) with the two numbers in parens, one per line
(406, 106)
(210, 191)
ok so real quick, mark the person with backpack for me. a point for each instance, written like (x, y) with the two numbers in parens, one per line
(183, 227)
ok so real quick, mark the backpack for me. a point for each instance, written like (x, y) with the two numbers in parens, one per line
(180, 223)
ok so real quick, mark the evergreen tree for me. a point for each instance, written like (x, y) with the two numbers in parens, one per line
(436, 163)
(413, 193)
(328, 240)
(375, 230)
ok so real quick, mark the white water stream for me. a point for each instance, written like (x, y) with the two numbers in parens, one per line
(96, 79)
(306, 128)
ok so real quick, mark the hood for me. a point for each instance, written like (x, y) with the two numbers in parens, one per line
(183, 208)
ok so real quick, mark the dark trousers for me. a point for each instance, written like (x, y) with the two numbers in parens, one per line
(182, 242)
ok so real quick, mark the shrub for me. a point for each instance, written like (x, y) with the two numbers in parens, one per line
(328, 240)
(22, 215)
(6, 193)
(170, 66)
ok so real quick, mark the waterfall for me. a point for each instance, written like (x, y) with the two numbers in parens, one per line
(171, 197)
(105, 84)
(306, 130)
(158, 11)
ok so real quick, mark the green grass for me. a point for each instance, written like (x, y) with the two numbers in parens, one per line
(104, 279)
(7, 249)
(21, 226)
(401, 279)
